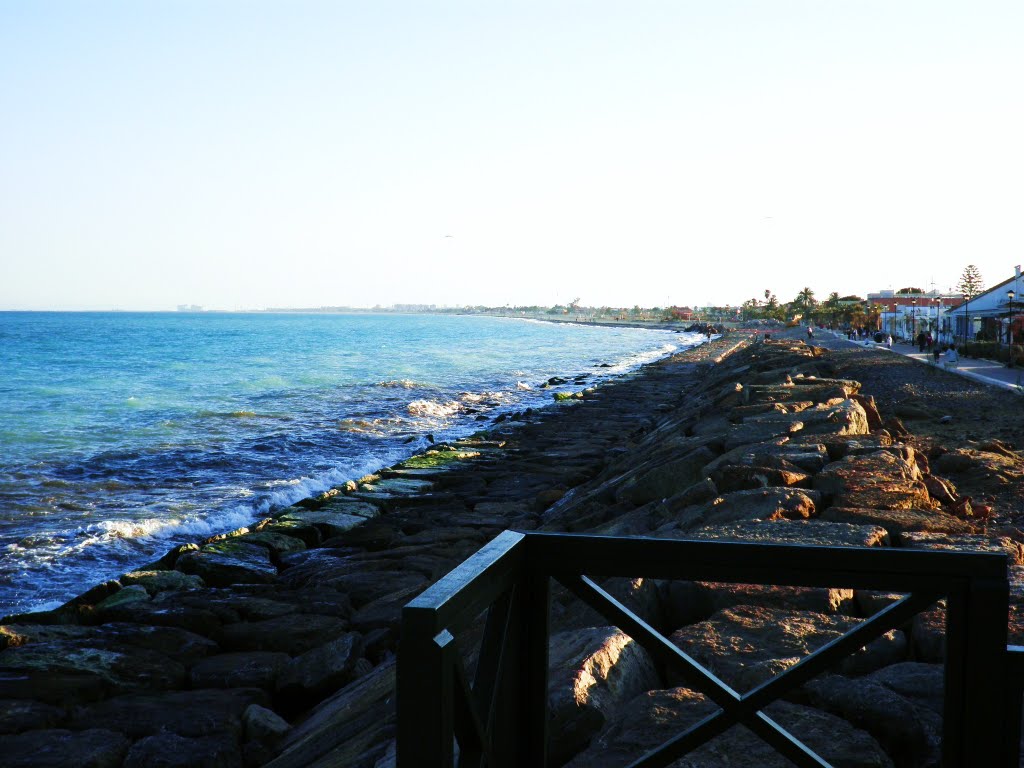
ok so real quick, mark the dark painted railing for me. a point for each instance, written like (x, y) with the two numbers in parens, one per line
(501, 596)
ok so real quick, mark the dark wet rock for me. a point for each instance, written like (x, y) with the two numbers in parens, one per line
(161, 581)
(119, 668)
(167, 613)
(187, 713)
(245, 669)
(17, 715)
(51, 686)
(169, 750)
(910, 733)
(357, 720)
(263, 725)
(294, 633)
(229, 562)
(92, 748)
(310, 676)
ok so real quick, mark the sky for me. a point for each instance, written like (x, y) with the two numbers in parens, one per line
(251, 154)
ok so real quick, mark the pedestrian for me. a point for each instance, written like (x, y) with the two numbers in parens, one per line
(936, 352)
(952, 358)
(921, 339)
(810, 333)
(888, 341)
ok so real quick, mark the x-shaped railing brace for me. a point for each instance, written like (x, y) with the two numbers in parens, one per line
(736, 707)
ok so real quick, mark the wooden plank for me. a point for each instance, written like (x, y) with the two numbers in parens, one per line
(740, 562)
(468, 589)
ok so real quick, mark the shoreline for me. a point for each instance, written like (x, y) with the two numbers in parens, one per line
(284, 636)
(510, 416)
(231, 512)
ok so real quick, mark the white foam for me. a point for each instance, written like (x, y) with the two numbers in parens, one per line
(433, 409)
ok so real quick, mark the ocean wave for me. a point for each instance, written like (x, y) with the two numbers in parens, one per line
(433, 409)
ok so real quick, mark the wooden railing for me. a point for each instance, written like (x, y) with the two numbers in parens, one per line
(502, 594)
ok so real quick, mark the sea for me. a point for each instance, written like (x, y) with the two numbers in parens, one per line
(124, 434)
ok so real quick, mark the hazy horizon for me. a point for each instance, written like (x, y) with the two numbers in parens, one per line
(665, 153)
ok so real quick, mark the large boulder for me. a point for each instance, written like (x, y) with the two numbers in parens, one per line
(665, 480)
(754, 504)
(92, 748)
(748, 645)
(899, 521)
(186, 713)
(687, 602)
(812, 532)
(118, 667)
(908, 731)
(654, 717)
(592, 672)
(230, 561)
(966, 543)
(293, 633)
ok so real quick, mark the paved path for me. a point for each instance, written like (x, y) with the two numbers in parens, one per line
(985, 371)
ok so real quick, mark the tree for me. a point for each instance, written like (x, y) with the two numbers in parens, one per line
(970, 285)
(831, 306)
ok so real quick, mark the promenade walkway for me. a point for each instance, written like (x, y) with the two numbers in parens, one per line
(984, 371)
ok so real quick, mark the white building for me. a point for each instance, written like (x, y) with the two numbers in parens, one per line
(994, 315)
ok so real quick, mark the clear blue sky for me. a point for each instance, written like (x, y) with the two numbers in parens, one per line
(251, 154)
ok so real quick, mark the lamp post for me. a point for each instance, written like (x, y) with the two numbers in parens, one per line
(938, 308)
(1010, 296)
(913, 322)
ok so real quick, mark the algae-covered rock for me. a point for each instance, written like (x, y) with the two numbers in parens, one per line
(330, 523)
(131, 594)
(122, 668)
(437, 458)
(275, 541)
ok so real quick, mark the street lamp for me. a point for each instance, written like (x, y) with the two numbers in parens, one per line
(938, 308)
(1010, 296)
(913, 324)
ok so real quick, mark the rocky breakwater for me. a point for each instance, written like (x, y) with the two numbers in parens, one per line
(776, 447)
(275, 645)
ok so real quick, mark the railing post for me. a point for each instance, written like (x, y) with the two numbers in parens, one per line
(536, 615)
(973, 717)
(986, 649)
(426, 705)
(1014, 694)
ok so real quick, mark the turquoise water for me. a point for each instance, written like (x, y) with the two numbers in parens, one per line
(124, 433)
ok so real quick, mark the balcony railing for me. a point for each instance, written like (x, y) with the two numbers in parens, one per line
(499, 717)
